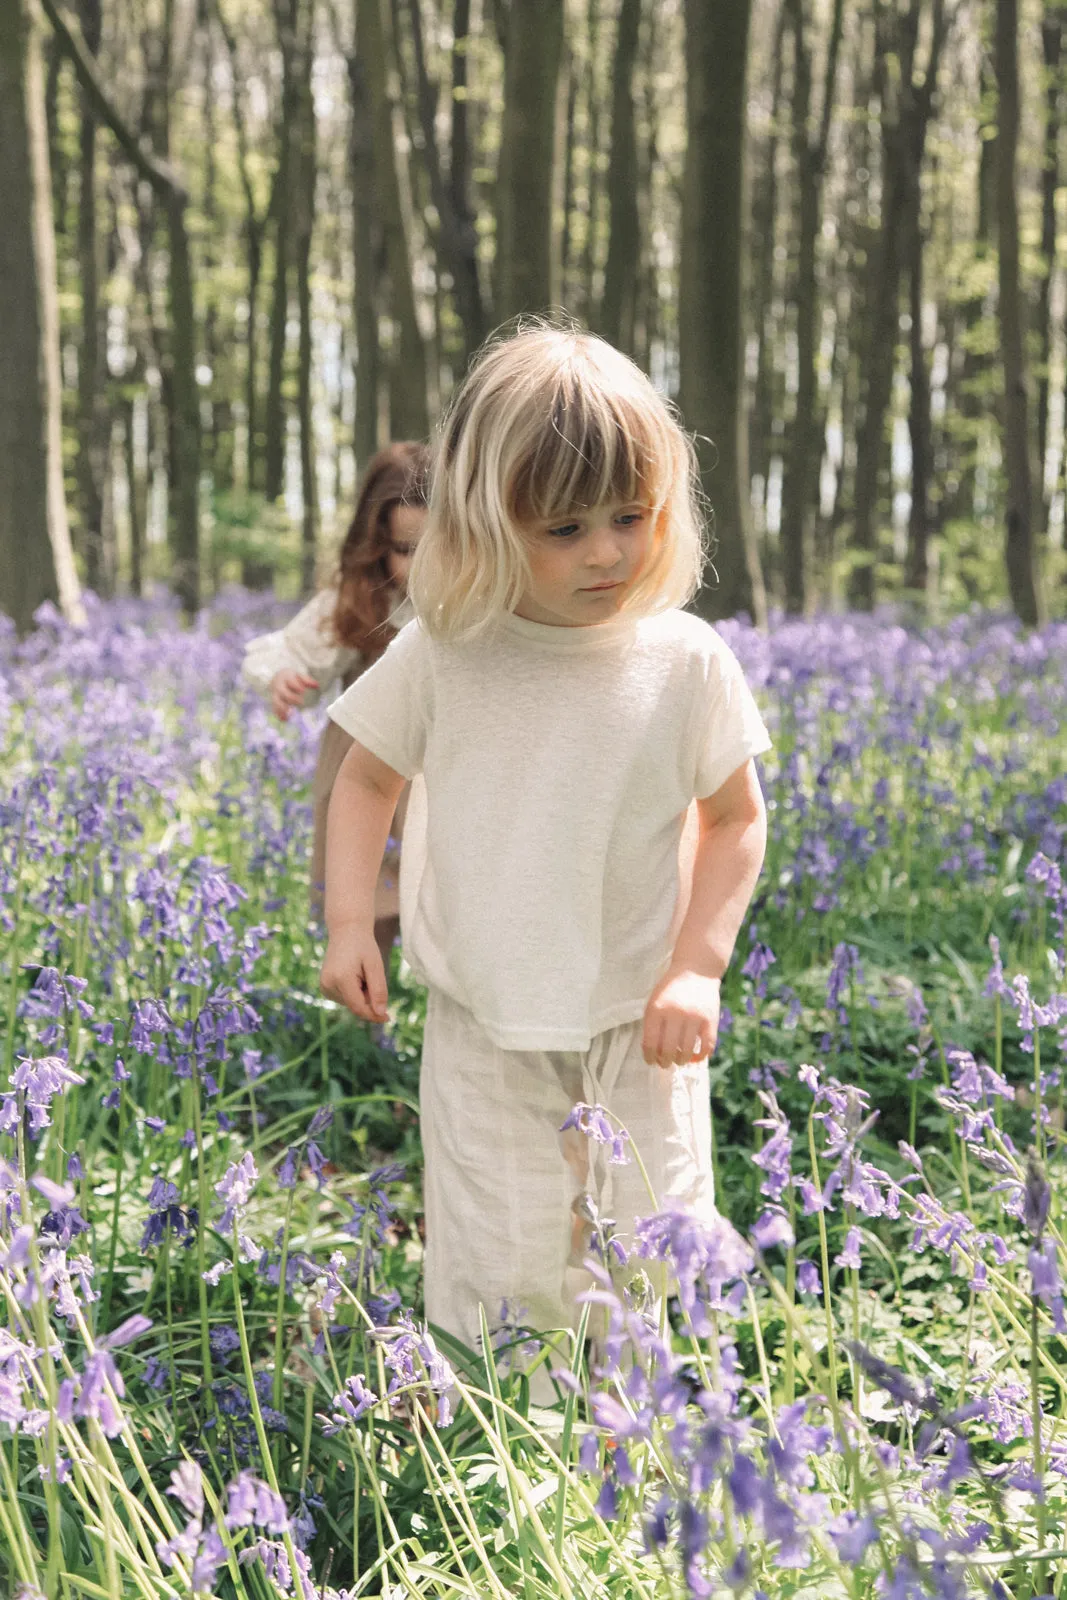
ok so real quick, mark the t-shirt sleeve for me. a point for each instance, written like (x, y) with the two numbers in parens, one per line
(304, 645)
(730, 729)
(388, 708)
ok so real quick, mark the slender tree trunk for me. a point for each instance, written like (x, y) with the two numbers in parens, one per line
(254, 230)
(567, 202)
(646, 295)
(36, 563)
(804, 446)
(527, 157)
(588, 257)
(57, 161)
(450, 196)
(459, 172)
(711, 295)
(184, 400)
(92, 406)
(916, 565)
(905, 109)
(967, 407)
(618, 309)
(274, 430)
(1023, 584)
(766, 388)
(1051, 45)
(135, 500)
(366, 249)
(303, 216)
(409, 412)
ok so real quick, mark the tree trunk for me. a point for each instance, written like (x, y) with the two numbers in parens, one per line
(800, 486)
(459, 172)
(766, 385)
(527, 158)
(618, 308)
(451, 199)
(92, 405)
(366, 249)
(184, 407)
(254, 230)
(36, 562)
(916, 564)
(967, 409)
(1051, 45)
(409, 412)
(586, 296)
(1019, 539)
(567, 200)
(274, 425)
(135, 501)
(710, 293)
(303, 216)
(905, 108)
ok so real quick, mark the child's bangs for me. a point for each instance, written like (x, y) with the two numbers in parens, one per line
(592, 449)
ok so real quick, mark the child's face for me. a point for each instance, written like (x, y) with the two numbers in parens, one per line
(405, 531)
(582, 568)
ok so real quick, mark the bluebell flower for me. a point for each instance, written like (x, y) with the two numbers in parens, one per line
(251, 1501)
(352, 1403)
(809, 1280)
(772, 1228)
(234, 1188)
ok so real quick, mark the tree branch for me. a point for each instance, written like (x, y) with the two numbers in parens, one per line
(164, 180)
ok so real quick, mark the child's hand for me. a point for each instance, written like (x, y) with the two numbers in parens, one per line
(287, 689)
(681, 1019)
(353, 973)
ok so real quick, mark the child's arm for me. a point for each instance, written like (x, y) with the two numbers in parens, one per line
(682, 1015)
(357, 826)
(289, 666)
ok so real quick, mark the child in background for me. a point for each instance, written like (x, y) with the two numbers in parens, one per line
(564, 718)
(345, 628)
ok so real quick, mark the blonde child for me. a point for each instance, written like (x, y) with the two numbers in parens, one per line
(562, 718)
(342, 631)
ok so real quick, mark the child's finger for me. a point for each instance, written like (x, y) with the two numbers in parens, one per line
(376, 989)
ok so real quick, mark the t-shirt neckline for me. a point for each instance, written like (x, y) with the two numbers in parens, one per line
(563, 638)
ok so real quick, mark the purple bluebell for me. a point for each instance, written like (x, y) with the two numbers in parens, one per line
(352, 1403)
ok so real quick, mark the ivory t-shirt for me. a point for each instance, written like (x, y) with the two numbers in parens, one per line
(542, 881)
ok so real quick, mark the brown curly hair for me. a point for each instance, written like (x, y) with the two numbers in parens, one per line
(397, 475)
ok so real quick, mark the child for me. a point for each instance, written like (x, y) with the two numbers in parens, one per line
(340, 632)
(563, 713)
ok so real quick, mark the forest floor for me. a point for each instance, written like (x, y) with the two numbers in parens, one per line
(214, 1376)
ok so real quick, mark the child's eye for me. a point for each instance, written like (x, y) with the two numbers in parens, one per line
(565, 531)
(628, 518)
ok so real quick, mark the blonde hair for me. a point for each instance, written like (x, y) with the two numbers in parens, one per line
(549, 421)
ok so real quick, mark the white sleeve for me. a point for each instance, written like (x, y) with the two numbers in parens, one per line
(731, 730)
(305, 645)
(389, 707)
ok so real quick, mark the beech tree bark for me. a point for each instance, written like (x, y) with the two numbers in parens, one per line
(905, 108)
(710, 295)
(804, 445)
(93, 421)
(618, 306)
(524, 280)
(409, 412)
(36, 562)
(1023, 586)
(1051, 48)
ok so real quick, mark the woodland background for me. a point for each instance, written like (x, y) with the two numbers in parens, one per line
(245, 243)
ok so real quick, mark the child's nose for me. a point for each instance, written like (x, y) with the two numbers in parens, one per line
(605, 548)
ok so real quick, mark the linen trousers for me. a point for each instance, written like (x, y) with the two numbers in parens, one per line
(504, 1190)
